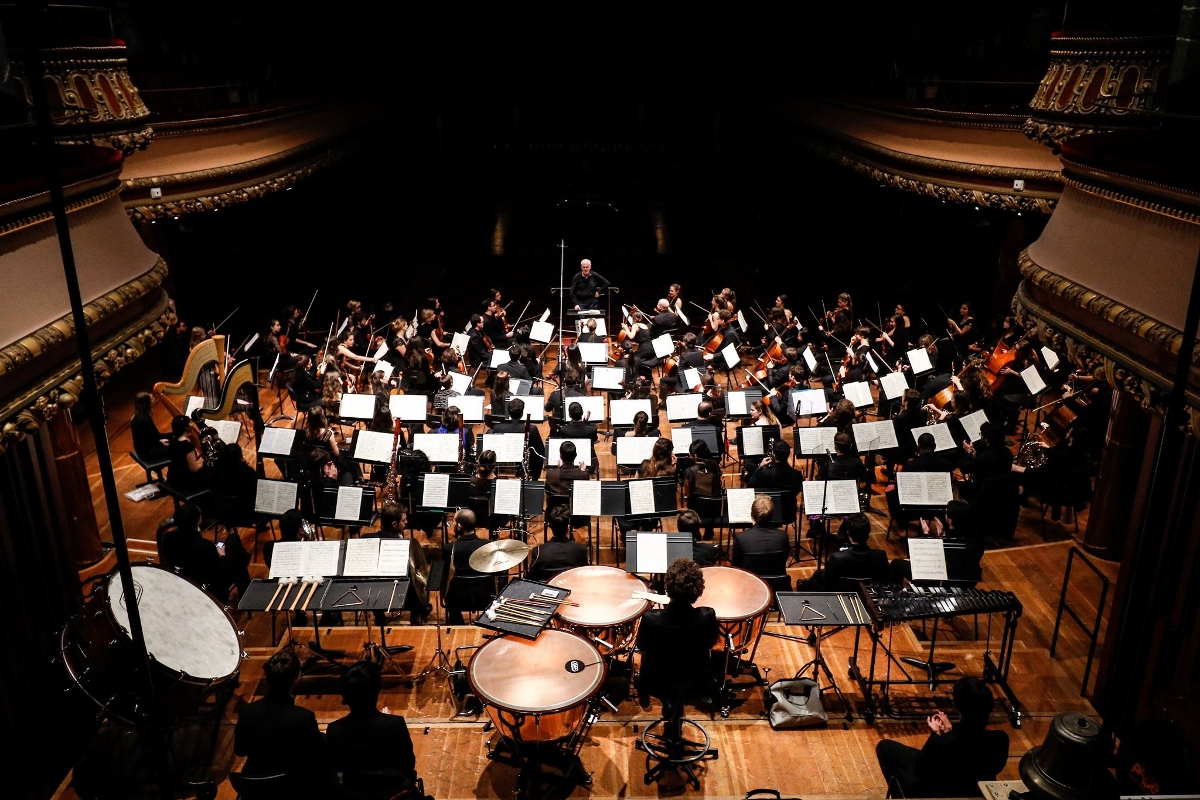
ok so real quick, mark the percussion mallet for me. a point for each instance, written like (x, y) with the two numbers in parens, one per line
(299, 594)
(316, 581)
(552, 600)
(393, 597)
(287, 584)
(278, 588)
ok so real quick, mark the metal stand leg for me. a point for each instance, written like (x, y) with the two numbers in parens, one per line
(440, 661)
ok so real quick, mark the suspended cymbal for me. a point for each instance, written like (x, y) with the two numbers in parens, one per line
(499, 556)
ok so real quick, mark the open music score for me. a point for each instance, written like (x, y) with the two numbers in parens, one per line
(737, 506)
(1033, 380)
(879, 435)
(859, 393)
(927, 557)
(663, 345)
(303, 559)
(682, 407)
(376, 557)
(752, 439)
(918, 360)
(593, 352)
(691, 378)
(349, 503)
(942, 439)
(972, 423)
(459, 382)
(357, 406)
(894, 385)
(633, 450)
(409, 407)
(373, 446)
(541, 331)
(808, 402)
(652, 552)
(439, 448)
(506, 496)
(608, 378)
(470, 407)
(924, 488)
(435, 493)
(277, 441)
(622, 411)
(583, 452)
(585, 498)
(681, 440)
(274, 498)
(814, 441)
(509, 447)
(731, 356)
(499, 358)
(737, 402)
(831, 497)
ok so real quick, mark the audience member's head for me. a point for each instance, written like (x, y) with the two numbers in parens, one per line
(360, 685)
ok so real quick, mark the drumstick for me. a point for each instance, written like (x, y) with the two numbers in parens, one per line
(653, 598)
(519, 613)
(531, 604)
(278, 587)
(287, 584)
(316, 582)
(511, 615)
(393, 597)
(550, 600)
(519, 607)
(292, 607)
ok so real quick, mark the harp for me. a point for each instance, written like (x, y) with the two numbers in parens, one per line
(241, 374)
(209, 350)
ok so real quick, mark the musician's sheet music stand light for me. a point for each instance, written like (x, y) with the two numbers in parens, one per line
(821, 610)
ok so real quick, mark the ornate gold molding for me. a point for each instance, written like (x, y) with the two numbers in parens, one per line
(60, 388)
(1134, 192)
(35, 209)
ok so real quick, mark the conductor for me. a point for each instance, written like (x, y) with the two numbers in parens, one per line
(586, 287)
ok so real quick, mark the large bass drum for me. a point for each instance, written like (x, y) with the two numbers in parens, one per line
(607, 610)
(195, 652)
(536, 690)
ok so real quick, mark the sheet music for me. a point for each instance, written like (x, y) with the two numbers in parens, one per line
(342, 327)
(679, 313)
(924, 488)
(541, 331)
(305, 559)
(972, 423)
(809, 359)
(651, 553)
(593, 406)
(357, 406)
(277, 441)
(459, 382)
(681, 440)
(737, 505)
(942, 440)
(585, 498)
(439, 448)
(275, 497)
(641, 497)
(858, 392)
(871, 362)
(535, 406)
(460, 342)
(373, 446)
(386, 367)
(509, 447)
(815, 441)
(583, 452)
(683, 406)
(752, 441)
(601, 327)
(436, 492)
(608, 378)
(836, 497)
(808, 402)
(362, 557)
(927, 557)
(691, 377)
(663, 346)
(393, 557)
(918, 359)
(498, 357)
(228, 430)
(741, 318)
(470, 407)
(737, 404)
(593, 352)
(633, 450)
(730, 354)
(193, 402)
(349, 502)
(894, 385)
(1050, 357)
(409, 407)
(507, 500)
(546, 315)
(249, 343)
(620, 412)
(380, 351)
(876, 436)
(1033, 380)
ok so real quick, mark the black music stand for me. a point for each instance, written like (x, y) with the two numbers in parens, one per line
(679, 545)
(821, 610)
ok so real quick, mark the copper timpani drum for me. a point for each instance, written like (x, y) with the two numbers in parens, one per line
(195, 653)
(606, 610)
(536, 690)
(741, 600)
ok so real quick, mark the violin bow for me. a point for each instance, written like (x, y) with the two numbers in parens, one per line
(222, 322)
(308, 310)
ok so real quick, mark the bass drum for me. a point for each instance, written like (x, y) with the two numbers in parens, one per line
(536, 690)
(195, 652)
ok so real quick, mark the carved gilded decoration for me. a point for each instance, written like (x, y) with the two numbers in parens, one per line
(1097, 84)
(92, 99)
(25, 412)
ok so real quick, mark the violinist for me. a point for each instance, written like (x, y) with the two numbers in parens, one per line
(479, 347)
(964, 334)
(418, 368)
(664, 320)
(529, 360)
(397, 340)
(293, 322)
(494, 327)
(273, 347)
(674, 297)
(573, 372)
(713, 321)
(586, 287)
(642, 389)
(305, 385)
(350, 362)
(642, 426)
(691, 357)
(893, 341)
(840, 321)
(433, 329)
(588, 334)
(514, 366)
(854, 364)
(930, 383)
(359, 323)
(781, 304)
(729, 298)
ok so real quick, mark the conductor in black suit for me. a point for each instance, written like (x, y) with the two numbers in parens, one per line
(516, 424)
(273, 733)
(460, 595)
(762, 549)
(675, 642)
(558, 553)
(586, 287)
(371, 748)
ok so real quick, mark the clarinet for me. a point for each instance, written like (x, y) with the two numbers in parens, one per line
(390, 481)
(525, 450)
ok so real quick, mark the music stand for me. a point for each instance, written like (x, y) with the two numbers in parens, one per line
(821, 610)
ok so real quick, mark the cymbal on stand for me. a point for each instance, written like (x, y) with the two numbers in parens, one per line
(499, 556)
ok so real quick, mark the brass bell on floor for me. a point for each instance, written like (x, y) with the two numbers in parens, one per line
(1070, 764)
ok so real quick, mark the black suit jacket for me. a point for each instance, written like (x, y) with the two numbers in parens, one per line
(371, 741)
(276, 735)
(555, 556)
(559, 479)
(666, 322)
(856, 561)
(761, 550)
(460, 594)
(675, 643)
(776, 476)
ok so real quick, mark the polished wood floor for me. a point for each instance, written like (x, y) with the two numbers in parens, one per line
(833, 762)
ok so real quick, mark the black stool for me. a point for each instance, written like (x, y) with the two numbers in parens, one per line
(675, 743)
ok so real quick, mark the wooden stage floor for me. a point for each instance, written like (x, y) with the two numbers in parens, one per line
(837, 761)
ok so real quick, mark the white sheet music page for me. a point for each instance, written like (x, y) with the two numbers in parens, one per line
(393, 558)
(1033, 380)
(386, 367)
(831, 497)
(691, 377)
(663, 346)
(585, 498)
(872, 362)
(651, 553)
(927, 557)
(379, 352)
(349, 502)
(741, 318)
(593, 352)
(509, 447)
(894, 385)
(288, 559)
(470, 407)
(608, 378)
(409, 407)
(545, 316)
(737, 504)
(535, 407)
(924, 488)
(683, 406)
(809, 402)
(816, 440)
(593, 407)
(730, 354)
(583, 452)
(498, 357)
(918, 359)
(277, 441)
(357, 406)
(459, 382)
(322, 558)
(942, 440)
(620, 412)
(859, 393)
(228, 430)
(972, 423)
(641, 497)
(362, 557)
(681, 440)
(436, 492)
(737, 404)
(508, 497)
(373, 446)
(633, 450)
(460, 342)
(193, 402)
(439, 448)
(879, 435)
(1050, 357)
(541, 331)
(752, 441)
(809, 359)
(275, 497)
